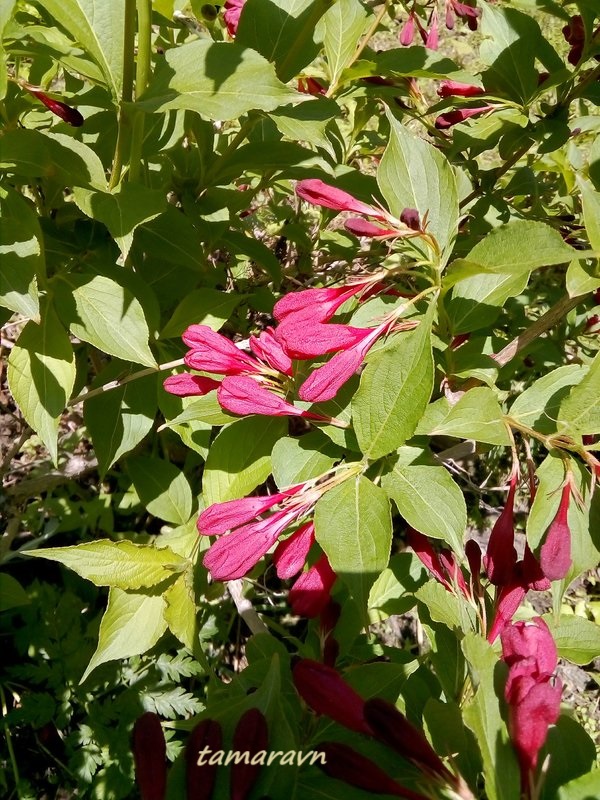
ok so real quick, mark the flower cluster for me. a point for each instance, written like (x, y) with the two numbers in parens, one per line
(430, 33)
(511, 577)
(326, 692)
(533, 700)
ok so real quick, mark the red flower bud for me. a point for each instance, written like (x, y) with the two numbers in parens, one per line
(455, 89)
(310, 594)
(62, 110)
(410, 217)
(251, 736)
(149, 757)
(290, 554)
(451, 118)
(326, 692)
(200, 778)
(555, 554)
(501, 556)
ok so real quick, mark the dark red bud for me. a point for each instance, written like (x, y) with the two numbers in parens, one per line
(410, 217)
(555, 553)
(473, 554)
(346, 764)
(251, 736)
(200, 777)
(501, 556)
(149, 757)
(62, 110)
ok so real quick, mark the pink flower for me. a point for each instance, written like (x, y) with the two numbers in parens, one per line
(268, 348)
(222, 517)
(555, 554)
(508, 600)
(62, 110)
(442, 565)
(212, 352)
(455, 89)
(318, 193)
(311, 86)
(407, 32)
(310, 594)
(291, 554)
(243, 395)
(433, 40)
(231, 15)
(451, 118)
(361, 227)
(326, 692)
(462, 10)
(534, 703)
(501, 556)
(320, 304)
(186, 385)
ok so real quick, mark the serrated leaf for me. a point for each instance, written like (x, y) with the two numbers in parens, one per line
(353, 526)
(131, 625)
(201, 307)
(41, 374)
(298, 459)
(427, 497)
(162, 488)
(21, 255)
(180, 613)
(394, 391)
(124, 565)
(413, 174)
(579, 412)
(190, 74)
(477, 415)
(108, 316)
(97, 26)
(240, 458)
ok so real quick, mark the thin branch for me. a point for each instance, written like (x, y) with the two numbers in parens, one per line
(245, 608)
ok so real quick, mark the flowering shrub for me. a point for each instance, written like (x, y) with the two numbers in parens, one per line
(300, 303)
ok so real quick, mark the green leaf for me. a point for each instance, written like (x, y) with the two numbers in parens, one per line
(590, 200)
(476, 301)
(201, 307)
(444, 607)
(162, 488)
(41, 374)
(394, 391)
(205, 409)
(220, 80)
(413, 174)
(577, 639)
(519, 247)
(118, 420)
(240, 458)
(122, 210)
(584, 788)
(579, 413)
(342, 27)
(131, 625)
(97, 26)
(571, 752)
(283, 31)
(296, 460)
(353, 526)
(21, 254)
(172, 238)
(124, 565)
(107, 315)
(538, 406)
(426, 496)
(583, 277)
(180, 613)
(400, 62)
(477, 415)
(483, 715)
(12, 594)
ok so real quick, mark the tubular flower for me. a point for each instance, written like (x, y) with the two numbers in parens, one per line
(200, 778)
(501, 556)
(62, 110)
(442, 565)
(149, 757)
(407, 31)
(433, 38)
(326, 692)
(534, 702)
(450, 118)
(242, 395)
(454, 9)
(455, 89)
(555, 554)
(291, 554)
(251, 736)
(231, 14)
(311, 86)
(311, 593)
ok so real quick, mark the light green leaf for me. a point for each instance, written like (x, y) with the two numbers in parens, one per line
(119, 419)
(12, 594)
(426, 496)
(205, 409)
(585, 787)
(476, 301)
(590, 200)
(41, 374)
(394, 391)
(483, 715)
(413, 174)
(107, 315)
(298, 459)
(341, 28)
(579, 413)
(220, 80)
(96, 25)
(122, 210)
(583, 277)
(477, 415)
(21, 255)
(124, 565)
(538, 406)
(444, 607)
(240, 458)
(180, 613)
(577, 639)
(171, 237)
(162, 488)
(131, 625)
(201, 307)
(353, 526)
